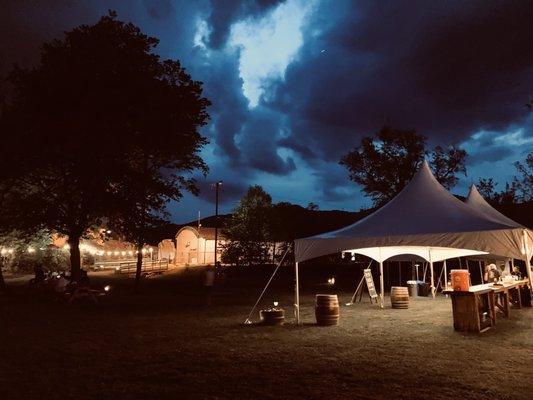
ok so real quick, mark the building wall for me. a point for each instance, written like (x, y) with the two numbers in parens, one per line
(166, 250)
(186, 247)
(191, 250)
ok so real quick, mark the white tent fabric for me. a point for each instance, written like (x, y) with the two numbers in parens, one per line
(423, 214)
(477, 202)
(429, 220)
(428, 253)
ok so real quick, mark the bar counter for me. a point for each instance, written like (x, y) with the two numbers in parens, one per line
(475, 310)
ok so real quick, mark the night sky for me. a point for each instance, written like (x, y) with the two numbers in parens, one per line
(295, 84)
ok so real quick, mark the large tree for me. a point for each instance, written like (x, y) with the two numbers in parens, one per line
(154, 169)
(384, 163)
(82, 120)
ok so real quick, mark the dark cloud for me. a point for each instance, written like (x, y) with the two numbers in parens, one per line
(229, 191)
(448, 69)
(224, 13)
(159, 9)
(445, 69)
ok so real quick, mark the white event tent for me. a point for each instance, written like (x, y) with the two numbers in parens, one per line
(425, 220)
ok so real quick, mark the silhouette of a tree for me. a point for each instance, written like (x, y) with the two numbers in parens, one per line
(524, 181)
(383, 164)
(99, 128)
(249, 230)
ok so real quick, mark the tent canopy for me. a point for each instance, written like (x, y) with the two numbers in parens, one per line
(427, 253)
(424, 214)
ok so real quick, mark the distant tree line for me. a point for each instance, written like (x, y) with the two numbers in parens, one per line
(520, 189)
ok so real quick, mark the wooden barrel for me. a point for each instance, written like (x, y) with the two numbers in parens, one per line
(399, 297)
(272, 317)
(460, 280)
(327, 309)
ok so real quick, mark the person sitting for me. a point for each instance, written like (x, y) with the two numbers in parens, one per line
(39, 274)
(84, 279)
(60, 284)
(492, 273)
(517, 272)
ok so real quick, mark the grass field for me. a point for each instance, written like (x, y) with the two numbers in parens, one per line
(165, 343)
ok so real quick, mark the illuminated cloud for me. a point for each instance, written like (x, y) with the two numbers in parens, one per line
(267, 45)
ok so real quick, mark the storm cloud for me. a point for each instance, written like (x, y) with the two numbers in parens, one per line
(294, 84)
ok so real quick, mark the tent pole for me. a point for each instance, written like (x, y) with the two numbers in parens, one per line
(432, 279)
(526, 259)
(433, 290)
(400, 268)
(381, 283)
(480, 271)
(445, 276)
(297, 295)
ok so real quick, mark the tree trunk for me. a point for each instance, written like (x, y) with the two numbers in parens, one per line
(75, 258)
(2, 282)
(138, 270)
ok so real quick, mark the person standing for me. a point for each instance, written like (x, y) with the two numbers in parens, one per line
(209, 283)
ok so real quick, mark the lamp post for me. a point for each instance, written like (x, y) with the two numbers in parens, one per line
(217, 185)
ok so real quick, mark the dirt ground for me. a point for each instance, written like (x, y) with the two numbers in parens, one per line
(165, 343)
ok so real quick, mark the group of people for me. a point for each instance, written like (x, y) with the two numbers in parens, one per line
(60, 283)
(493, 273)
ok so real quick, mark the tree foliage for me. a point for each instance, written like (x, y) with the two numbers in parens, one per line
(383, 164)
(249, 230)
(487, 189)
(99, 128)
(520, 189)
(524, 181)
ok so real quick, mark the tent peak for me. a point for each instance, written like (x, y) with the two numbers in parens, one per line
(476, 201)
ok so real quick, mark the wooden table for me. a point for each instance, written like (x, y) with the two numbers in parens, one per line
(501, 299)
(507, 294)
(519, 294)
(473, 310)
